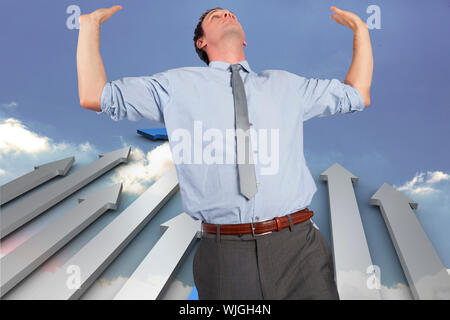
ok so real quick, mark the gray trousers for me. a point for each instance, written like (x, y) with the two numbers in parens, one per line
(290, 264)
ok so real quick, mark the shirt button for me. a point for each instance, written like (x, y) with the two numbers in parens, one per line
(251, 123)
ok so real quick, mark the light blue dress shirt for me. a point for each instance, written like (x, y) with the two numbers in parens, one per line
(276, 99)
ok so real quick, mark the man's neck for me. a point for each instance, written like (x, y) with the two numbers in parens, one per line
(231, 53)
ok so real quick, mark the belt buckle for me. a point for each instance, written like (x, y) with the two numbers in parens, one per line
(258, 234)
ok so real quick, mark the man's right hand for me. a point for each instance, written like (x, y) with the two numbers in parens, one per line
(100, 15)
(91, 72)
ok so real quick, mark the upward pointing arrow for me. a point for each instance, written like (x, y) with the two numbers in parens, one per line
(19, 263)
(351, 252)
(426, 275)
(154, 272)
(27, 209)
(40, 175)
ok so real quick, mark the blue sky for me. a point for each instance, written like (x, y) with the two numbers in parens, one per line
(403, 134)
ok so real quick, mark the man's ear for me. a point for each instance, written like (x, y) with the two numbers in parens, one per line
(200, 43)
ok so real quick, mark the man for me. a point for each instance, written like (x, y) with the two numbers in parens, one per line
(258, 241)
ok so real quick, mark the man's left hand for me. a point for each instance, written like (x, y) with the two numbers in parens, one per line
(346, 18)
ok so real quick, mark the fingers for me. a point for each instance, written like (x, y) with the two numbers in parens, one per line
(106, 13)
(116, 8)
(346, 18)
(337, 18)
(113, 10)
(337, 10)
(340, 20)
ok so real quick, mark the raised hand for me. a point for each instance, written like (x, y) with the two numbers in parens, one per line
(346, 18)
(360, 72)
(101, 15)
(91, 72)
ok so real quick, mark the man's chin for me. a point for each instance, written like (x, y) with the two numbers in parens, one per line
(232, 32)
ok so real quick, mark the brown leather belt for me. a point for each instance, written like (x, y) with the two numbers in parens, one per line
(276, 224)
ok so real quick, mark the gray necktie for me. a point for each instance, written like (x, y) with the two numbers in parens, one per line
(247, 178)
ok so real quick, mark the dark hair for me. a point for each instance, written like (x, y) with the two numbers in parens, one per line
(198, 33)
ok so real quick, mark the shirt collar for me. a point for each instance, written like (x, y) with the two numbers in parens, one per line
(225, 65)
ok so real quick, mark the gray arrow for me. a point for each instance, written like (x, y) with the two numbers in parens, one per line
(27, 209)
(151, 276)
(101, 250)
(426, 275)
(351, 252)
(40, 175)
(19, 263)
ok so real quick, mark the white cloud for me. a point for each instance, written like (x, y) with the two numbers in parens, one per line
(424, 183)
(349, 288)
(437, 176)
(350, 283)
(143, 168)
(177, 290)
(21, 148)
(422, 190)
(104, 289)
(434, 286)
(86, 146)
(15, 137)
(398, 292)
(12, 104)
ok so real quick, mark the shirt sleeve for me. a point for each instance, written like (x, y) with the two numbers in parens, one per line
(135, 98)
(324, 97)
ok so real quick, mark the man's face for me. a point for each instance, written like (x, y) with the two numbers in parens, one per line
(218, 25)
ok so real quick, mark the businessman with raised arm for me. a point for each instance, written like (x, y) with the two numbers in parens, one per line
(258, 240)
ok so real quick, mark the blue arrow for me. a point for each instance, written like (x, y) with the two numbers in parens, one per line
(154, 134)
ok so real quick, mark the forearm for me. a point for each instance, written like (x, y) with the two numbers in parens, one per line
(361, 69)
(90, 69)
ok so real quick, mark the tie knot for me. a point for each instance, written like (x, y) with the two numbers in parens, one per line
(235, 67)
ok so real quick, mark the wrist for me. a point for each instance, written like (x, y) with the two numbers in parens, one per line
(360, 27)
(89, 20)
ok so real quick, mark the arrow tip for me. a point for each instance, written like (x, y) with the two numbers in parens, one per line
(121, 154)
(385, 191)
(109, 196)
(382, 191)
(61, 167)
(182, 219)
(337, 170)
